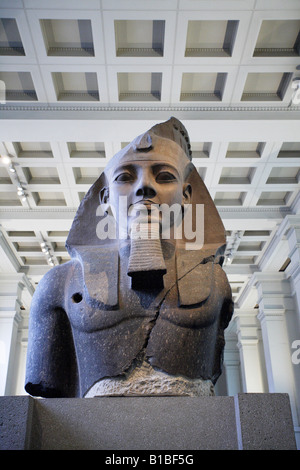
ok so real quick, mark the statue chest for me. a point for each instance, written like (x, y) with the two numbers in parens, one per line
(172, 304)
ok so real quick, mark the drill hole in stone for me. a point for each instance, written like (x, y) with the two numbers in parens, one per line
(77, 297)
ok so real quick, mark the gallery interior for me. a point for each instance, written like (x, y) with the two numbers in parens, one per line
(80, 80)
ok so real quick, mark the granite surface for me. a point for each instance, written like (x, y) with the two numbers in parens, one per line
(243, 422)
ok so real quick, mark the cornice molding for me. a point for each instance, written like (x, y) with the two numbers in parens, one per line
(252, 211)
(42, 107)
(280, 209)
(37, 210)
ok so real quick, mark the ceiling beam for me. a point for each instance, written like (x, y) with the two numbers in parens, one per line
(19, 126)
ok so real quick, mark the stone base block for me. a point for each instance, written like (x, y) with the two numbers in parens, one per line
(246, 421)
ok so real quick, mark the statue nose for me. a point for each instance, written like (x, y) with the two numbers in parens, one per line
(145, 188)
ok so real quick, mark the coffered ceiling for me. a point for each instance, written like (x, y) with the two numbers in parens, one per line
(79, 80)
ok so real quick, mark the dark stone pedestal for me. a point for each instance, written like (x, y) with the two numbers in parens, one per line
(246, 421)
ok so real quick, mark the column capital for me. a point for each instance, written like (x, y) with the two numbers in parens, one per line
(247, 342)
(290, 221)
(281, 244)
(245, 312)
(271, 314)
(290, 229)
(246, 319)
(9, 315)
(267, 276)
(20, 278)
(10, 263)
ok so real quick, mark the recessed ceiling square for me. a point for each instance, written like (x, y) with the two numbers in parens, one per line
(76, 86)
(10, 39)
(229, 198)
(236, 175)
(202, 86)
(86, 175)
(59, 247)
(18, 86)
(273, 198)
(256, 233)
(4, 176)
(244, 149)
(33, 149)
(67, 38)
(139, 86)
(139, 38)
(9, 199)
(200, 149)
(284, 175)
(41, 175)
(250, 246)
(43, 198)
(278, 38)
(34, 261)
(21, 234)
(266, 86)
(209, 38)
(86, 149)
(289, 150)
(27, 246)
(58, 234)
(244, 260)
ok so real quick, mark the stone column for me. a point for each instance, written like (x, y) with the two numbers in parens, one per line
(293, 274)
(293, 270)
(276, 311)
(11, 287)
(249, 344)
(232, 366)
(19, 369)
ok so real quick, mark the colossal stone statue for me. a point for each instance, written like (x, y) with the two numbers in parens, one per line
(142, 306)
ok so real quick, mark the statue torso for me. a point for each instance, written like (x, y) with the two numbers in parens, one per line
(174, 338)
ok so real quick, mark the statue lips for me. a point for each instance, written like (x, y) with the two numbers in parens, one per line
(145, 221)
(142, 204)
(145, 202)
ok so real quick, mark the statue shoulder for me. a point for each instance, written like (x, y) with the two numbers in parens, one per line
(57, 275)
(52, 285)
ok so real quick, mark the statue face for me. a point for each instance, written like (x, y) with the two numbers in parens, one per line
(148, 179)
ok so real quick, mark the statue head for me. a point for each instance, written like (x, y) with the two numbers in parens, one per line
(151, 171)
(155, 168)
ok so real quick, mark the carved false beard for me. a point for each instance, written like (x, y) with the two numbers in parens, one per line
(146, 264)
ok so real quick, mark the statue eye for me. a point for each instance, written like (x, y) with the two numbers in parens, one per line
(165, 177)
(124, 177)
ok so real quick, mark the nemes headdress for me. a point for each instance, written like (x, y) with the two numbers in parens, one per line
(168, 138)
(173, 130)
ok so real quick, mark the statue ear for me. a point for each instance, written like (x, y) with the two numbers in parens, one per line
(186, 193)
(104, 200)
(104, 195)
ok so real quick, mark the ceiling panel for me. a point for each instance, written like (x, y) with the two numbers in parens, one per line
(210, 38)
(10, 39)
(278, 38)
(68, 37)
(139, 38)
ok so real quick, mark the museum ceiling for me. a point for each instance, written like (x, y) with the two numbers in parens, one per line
(78, 83)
